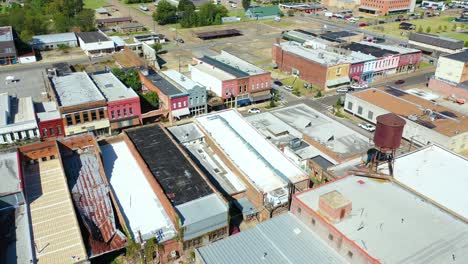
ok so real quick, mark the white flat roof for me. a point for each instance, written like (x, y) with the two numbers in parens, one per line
(394, 225)
(142, 209)
(438, 174)
(181, 79)
(112, 88)
(214, 72)
(239, 63)
(76, 88)
(261, 162)
(9, 173)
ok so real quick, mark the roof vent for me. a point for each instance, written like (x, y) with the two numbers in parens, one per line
(413, 117)
(334, 206)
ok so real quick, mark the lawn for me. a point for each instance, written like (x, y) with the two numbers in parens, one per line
(93, 4)
(284, 23)
(456, 35)
(437, 25)
(298, 85)
(237, 13)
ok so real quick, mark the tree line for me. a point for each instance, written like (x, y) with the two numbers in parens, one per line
(47, 16)
(185, 14)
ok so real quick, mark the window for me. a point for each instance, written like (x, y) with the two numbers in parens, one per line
(370, 115)
(330, 236)
(101, 113)
(253, 86)
(266, 84)
(59, 130)
(350, 105)
(299, 210)
(118, 113)
(174, 105)
(185, 103)
(112, 114)
(262, 86)
(44, 132)
(44, 158)
(125, 111)
(130, 110)
(359, 110)
(69, 120)
(179, 104)
(240, 88)
(93, 115)
(350, 254)
(52, 132)
(257, 85)
(312, 221)
(77, 118)
(338, 71)
(86, 117)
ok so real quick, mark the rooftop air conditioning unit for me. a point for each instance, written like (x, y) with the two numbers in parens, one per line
(173, 254)
(413, 117)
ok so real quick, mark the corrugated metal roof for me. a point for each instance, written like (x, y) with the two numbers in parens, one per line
(437, 41)
(283, 239)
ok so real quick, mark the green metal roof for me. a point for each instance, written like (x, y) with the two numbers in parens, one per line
(262, 11)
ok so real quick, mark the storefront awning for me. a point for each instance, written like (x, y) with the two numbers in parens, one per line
(339, 81)
(260, 97)
(180, 112)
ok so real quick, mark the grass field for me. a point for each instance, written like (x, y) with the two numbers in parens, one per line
(437, 25)
(93, 4)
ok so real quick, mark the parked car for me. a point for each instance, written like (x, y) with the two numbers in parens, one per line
(254, 110)
(367, 126)
(278, 83)
(179, 40)
(144, 8)
(288, 88)
(400, 82)
(362, 24)
(342, 90)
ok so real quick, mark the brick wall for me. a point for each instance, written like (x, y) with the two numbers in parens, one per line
(330, 235)
(447, 89)
(126, 104)
(313, 73)
(55, 124)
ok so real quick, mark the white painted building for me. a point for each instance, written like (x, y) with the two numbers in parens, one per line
(426, 122)
(95, 43)
(17, 119)
(53, 41)
(453, 68)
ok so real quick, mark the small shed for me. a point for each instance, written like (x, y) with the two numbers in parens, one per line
(130, 27)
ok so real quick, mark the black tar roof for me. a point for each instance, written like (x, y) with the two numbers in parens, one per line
(461, 56)
(224, 67)
(92, 37)
(374, 51)
(163, 85)
(179, 180)
(437, 41)
(335, 36)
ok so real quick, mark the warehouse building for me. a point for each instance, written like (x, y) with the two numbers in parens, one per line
(54, 41)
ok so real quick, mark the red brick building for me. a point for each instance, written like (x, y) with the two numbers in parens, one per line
(49, 121)
(385, 7)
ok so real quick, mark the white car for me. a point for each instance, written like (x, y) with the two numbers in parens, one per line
(254, 110)
(144, 8)
(288, 88)
(342, 90)
(367, 126)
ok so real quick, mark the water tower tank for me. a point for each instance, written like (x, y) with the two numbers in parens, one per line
(389, 131)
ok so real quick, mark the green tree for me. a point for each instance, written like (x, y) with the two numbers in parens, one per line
(428, 29)
(152, 98)
(157, 47)
(165, 13)
(445, 27)
(246, 4)
(420, 29)
(85, 20)
(130, 78)
(454, 27)
(439, 28)
(185, 5)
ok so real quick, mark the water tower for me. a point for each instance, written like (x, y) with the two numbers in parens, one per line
(387, 140)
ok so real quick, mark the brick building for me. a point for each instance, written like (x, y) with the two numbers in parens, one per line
(236, 81)
(8, 53)
(123, 103)
(387, 7)
(49, 120)
(81, 105)
(171, 97)
(202, 214)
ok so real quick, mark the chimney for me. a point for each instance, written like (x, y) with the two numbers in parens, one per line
(334, 206)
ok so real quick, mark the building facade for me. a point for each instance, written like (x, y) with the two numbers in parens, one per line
(95, 43)
(49, 121)
(236, 81)
(453, 68)
(8, 53)
(386, 7)
(435, 45)
(53, 41)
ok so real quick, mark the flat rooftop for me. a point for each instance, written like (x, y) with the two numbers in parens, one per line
(214, 72)
(337, 35)
(6, 34)
(448, 122)
(112, 88)
(75, 89)
(92, 37)
(320, 56)
(425, 171)
(330, 134)
(47, 111)
(202, 216)
(386, 219)
(368, 49)
(221, 176)
(142, 210)
(18, 113)
(9, 173)
(399, 49)
(163, 84)
(279, 240)
(236, 62)
(266, 167)
(218, 34)
(31, 83)
(302, 37)
(55, 228)
(436, 40)
(53, 38)
(180, 181)
(182, 80)
(460, 56)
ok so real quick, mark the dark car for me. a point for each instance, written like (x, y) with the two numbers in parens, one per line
(278, 83)
(399, 82)
(362, 24)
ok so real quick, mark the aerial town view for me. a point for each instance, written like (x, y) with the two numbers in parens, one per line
(234, 131)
